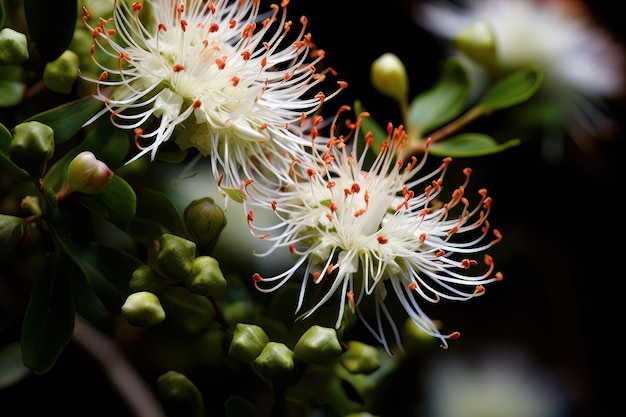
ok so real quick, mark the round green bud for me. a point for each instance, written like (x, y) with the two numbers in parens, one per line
(59, 75)
(360, 358)
(318, 345)
(32, 146)
(415, 339)
(176, 255)
(11, 229)
(180, 397)
(389, 76)
(275, 360)
(477, 41)
(204, 221)
(143, 309)
(30, 204)
(146, 279)
(13, 47)
(88, 175)
(206, 277)
(247, 343)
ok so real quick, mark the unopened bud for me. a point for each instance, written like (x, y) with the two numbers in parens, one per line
(13, 47)
(11, 229)
(143, 309)
(275, 360)
(360, 358)
(180, 397)
(30, 204)
(59, 75)
(318, 345)
(248, 342)
(32, 146)
(204, 221)
(88, 175)
(477, 41)
(176, 255)
(389, 76)
(206, 276)
(145, 279)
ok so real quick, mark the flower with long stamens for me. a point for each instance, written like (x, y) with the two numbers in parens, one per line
(359, 231)
(582, 64)
(213, 75)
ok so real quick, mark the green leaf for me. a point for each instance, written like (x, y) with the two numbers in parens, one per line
(67, 119)
(51, 25)
(514, 89)
(5, 137)
(49, 319)
(470, 144)
(236, 406)
(116, 203)
(155, 205)
(107, 270)
(443, 102)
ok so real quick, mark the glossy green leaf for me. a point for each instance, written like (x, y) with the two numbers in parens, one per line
(67, 119)
(236, 406)
(444, 101)
(155, 205)
(514, 89)
(51, 25)
(107, 270)
(116, 203)
(5, 138)
(49, 319)
(470, 144)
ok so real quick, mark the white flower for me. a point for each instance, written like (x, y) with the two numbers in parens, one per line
(361, 232)
(214, 75)
(581, 64)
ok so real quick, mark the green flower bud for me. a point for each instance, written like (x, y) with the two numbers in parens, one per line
(59, 75)
(206, 277)
(30, 204)
(32, 146)
(204, 220)
(389, 76)
(176, 255)
(145, 279)
(180, 397)
(415, 339)
(360, 358)
(248, 342)
(318, 345)
(13, 47)
(143, 309)
(275, 360)
(11, 229)
(477, 41)
(88, 175)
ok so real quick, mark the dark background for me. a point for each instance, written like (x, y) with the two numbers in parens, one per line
(562, 222)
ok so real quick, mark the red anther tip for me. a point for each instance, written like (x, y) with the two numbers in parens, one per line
(499, 276)
(257, 277)
(454, 335)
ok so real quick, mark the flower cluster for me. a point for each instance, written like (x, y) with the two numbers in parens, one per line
(360, 230)
(236, 83)
(218, 77)
(581, 63)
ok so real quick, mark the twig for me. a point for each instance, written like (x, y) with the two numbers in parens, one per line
(123, 376)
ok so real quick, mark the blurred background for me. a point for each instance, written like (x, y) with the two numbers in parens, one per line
(554, 321)
(544, 342)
